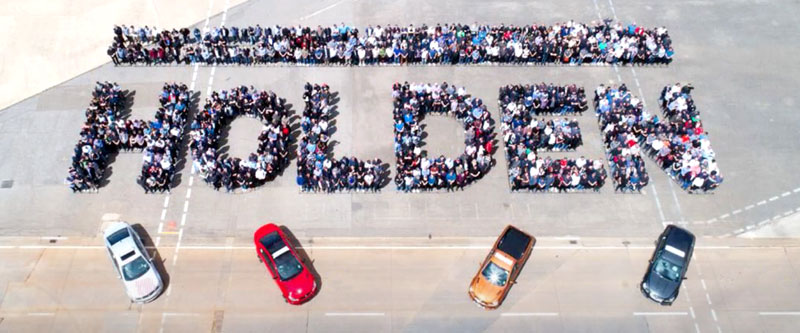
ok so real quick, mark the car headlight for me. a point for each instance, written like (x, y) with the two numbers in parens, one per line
(292, 298)
(645, 285)
(471, 289)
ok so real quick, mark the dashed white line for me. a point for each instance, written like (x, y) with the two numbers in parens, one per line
(703, 282)
(691, 311)
(786, 194)
(749, 207)
(724, 216)
(789, 212)
(714, 314)
(41, 314)
(762, 202)
(736, 211)
(773, 198)
(188, 193)
(780, 313)
(796, 190)
(708, 299)
(712, 220)
(166, 201)
(183, 219)
(163, 214)
(185, 206)
(696, 327)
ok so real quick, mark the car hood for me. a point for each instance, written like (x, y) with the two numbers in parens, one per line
(300, 285)
(485, 291)
(144, 285)
(661, 287)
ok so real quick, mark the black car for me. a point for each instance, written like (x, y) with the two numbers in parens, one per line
(668, 265)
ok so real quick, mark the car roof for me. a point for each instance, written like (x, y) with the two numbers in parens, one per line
(514, 242)
(679, 238)
(125, 245)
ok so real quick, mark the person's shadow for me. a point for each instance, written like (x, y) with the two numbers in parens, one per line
(151, 249)
(301, 252)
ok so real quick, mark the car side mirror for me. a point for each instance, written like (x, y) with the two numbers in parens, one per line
(274, 277)
(685, 278)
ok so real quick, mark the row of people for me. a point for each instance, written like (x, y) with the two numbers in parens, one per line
(318, 172)
(415, 170)
(271, 156)
(535, 174)
(543, 99)
(566, 42)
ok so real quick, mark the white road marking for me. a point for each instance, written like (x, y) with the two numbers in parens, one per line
(181, 314)
(53, 238)
(185, 206)
(703, 282)
(708, 299)
(736, 211)
(796, 190)
(714, 314)
(191, 179)
(660, 313)
(786, 194)
(183, 219)
(529, 314)
(163, 214)
(749, 207)
(761, 202)
(724, 216)
(780, 313)
(712, 220)
(773, 198)
(321, 10)
(691, 310)
(189, 193)
(696, 327)
(788, 212)
(41, 314)
(658, 204)
(166, 201)
(354, 314)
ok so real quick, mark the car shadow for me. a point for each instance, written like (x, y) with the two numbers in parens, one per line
(301, 252)
(158, 262)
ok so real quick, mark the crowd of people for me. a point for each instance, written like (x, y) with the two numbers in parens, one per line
(525, 136)
(415, 170)
(621, 116)
(271, 156)
(105, 132)
(318, 172)
(562, 43)
(679, 143)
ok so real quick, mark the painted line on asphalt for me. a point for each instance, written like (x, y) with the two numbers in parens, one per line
(762, 202)
(354, 314)
(780, 313)
(387, 247)
(786, 194)
(736, 212)
(749, 207)
(691, 311)
(660, 313)
(529, 314)
(181, 314)
(796, 190)
(303, 18)
(41, 314)
(773, 198)
(53, 238)
(714, 315)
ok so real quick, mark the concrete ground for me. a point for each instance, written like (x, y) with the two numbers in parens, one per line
(739, 56)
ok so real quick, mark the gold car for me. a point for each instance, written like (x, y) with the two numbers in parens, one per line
(499, 270)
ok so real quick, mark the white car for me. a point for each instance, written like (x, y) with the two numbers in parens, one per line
(132, 262)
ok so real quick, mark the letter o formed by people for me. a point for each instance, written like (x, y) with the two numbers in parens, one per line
(234, 173)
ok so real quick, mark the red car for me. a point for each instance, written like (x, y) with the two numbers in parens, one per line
(287, 269)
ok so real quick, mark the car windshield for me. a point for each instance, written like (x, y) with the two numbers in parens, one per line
(496, 275)
(288, 266)
(118, 236)
(134, 269)
(667, 269)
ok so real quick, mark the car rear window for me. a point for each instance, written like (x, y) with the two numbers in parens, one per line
(118, 236)
(127, 255)
(272, 242)
(514, 242)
